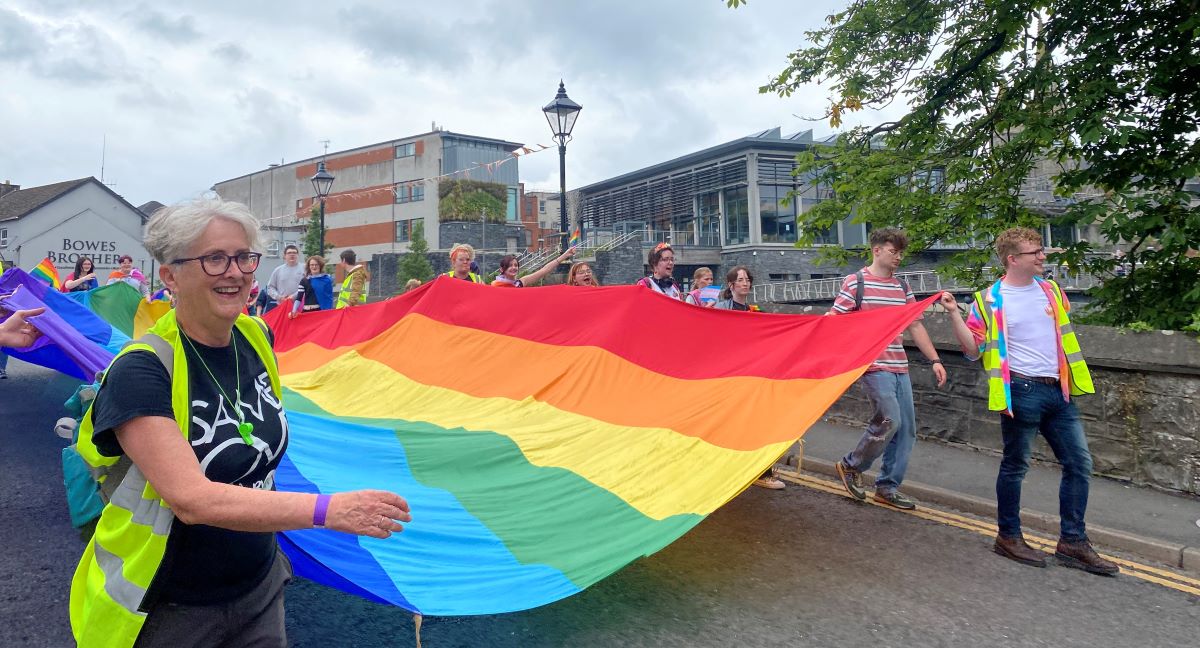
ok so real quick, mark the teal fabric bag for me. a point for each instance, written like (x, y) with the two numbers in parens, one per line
(83, 493)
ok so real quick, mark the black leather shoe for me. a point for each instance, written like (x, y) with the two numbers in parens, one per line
(1016, 549)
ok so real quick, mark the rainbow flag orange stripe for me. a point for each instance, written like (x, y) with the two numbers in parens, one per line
(541, 452)
(47, 273)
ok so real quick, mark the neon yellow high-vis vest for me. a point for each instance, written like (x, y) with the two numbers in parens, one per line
(122, 558)
(343, 299)
(474, 277)
(1074, 375)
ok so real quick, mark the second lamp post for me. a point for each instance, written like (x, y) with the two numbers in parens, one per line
(561, 113)
(322, 181)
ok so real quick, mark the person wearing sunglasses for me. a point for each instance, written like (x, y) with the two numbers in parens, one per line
(189, 422)
(662, 263)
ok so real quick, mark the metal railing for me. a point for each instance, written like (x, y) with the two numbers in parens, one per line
(924, 282)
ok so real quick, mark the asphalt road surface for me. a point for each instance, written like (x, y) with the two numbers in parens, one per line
(799, 567)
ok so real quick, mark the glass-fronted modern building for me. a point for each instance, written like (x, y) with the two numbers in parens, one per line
(725, 205)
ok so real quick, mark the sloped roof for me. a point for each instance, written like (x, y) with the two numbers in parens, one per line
(149, 208)
(21, 203)
(18, 203)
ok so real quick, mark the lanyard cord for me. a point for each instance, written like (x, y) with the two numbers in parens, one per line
(244, 429)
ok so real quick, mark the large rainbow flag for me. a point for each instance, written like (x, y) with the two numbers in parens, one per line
(543, 437)
(75, 340)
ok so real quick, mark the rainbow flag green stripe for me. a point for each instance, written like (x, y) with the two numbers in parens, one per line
(528, 507)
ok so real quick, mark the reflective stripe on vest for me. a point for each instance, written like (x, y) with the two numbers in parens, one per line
(114, 576)
(1080, 378)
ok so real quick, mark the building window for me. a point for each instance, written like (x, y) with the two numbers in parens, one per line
(406, 193)
(3, 237)
(406, 150)
(511, 207)
(1060, 235)
(737, 217)
(299, 204)
(786, 276)
(778, 220)
(404, 230)
(708, 213)
(541, 206)
(273, 248)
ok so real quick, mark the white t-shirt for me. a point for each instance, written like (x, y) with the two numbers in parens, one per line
(1032, 331)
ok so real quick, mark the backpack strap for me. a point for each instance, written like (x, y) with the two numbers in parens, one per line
(116, 473)
(858, 289)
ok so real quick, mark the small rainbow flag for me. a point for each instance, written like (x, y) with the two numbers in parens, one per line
(576, 239)
(48, 273)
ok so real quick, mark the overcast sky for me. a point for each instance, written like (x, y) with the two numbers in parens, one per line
(191, 93)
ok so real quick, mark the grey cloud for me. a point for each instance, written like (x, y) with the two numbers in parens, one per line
(399, 34)
(157, 24)
(231, 53)
(149, 96)
(81, 53)
(19, 38)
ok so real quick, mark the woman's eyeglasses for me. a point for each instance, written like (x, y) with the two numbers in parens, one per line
(215, 265)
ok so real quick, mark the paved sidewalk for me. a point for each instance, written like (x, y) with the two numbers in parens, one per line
(1119, 515)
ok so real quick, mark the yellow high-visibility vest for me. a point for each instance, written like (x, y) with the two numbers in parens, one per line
(1077, 376)
(343, 299)
(123, 556)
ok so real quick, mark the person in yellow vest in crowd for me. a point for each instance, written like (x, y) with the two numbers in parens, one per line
(1021, 329)
(184, 553)
(461, 256)
(356, 282)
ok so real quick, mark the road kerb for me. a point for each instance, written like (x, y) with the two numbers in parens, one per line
(1191, 559)
(1168, 553)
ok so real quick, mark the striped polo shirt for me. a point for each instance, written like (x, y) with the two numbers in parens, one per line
(878, 292)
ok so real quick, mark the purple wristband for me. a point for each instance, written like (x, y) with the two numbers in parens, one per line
(319, 511)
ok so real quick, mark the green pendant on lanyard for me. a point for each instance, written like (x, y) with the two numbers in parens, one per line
(244, 427)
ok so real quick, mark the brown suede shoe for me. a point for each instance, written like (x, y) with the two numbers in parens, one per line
(1080, 555)
(1016, 549)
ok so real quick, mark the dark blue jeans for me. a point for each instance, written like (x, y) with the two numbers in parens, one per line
(1039, 407)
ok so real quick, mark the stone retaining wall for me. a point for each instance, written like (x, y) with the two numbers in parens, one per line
(1142, 424)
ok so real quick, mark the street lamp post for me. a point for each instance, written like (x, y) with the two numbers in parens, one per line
(322, 181)
(561, 113)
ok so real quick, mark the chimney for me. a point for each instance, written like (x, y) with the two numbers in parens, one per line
(8, 188)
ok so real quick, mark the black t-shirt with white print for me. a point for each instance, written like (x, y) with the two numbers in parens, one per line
(204, 564)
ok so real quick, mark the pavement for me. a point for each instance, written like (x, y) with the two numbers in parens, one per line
(1151, 524)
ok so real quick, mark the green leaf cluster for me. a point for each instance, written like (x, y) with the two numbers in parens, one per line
(414, 264)
(470, 200)
(1097, 100)
(312, 235)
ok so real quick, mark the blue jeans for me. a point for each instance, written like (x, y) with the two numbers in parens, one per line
(891, 431)
(1039, 407)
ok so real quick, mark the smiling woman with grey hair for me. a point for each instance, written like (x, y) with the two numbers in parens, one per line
(189, 422)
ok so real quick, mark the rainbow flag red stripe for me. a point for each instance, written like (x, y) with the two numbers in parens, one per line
(544, 437)
(47, 273)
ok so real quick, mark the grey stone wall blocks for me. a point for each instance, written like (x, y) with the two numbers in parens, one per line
(1142, 424)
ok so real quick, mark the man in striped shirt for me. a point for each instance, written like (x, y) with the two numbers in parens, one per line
(891, 430)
